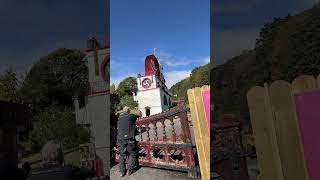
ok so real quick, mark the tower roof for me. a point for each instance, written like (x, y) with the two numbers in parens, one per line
(153, 67)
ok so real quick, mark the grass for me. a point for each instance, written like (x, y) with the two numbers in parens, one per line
(72, 158)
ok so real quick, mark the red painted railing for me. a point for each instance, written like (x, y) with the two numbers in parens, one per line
(165, 141)
(229, 158)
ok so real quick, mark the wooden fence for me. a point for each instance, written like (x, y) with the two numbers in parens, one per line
(278, 129)
(201, 127)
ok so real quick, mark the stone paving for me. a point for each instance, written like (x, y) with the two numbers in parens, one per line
(146, 173)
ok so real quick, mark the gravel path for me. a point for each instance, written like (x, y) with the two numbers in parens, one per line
(146, 173)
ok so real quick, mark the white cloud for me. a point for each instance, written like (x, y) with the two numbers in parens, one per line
(171, 60)
(114, 64)
(168, 61)
(172, 77)
(205, 60)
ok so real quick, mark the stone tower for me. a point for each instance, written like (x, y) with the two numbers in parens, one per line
(152, 93)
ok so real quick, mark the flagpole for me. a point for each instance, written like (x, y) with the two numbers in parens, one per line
(154, 51)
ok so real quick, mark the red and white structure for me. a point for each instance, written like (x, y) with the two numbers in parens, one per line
(93, 108)
(152, 95)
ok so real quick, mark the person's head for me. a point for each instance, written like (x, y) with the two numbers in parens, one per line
(52, 152)
(126, 109)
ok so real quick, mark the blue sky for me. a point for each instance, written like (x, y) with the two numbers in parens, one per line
(237, 22)
(179, 29)
(32, 29)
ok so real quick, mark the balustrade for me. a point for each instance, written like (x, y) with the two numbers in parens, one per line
(229, 155)
(168, 145)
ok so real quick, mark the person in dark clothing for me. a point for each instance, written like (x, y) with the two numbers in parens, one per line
(8, 164)
(26, 169)
(53, 166)
(126, 141)
(12, 172)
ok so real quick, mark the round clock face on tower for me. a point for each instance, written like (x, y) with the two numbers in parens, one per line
(146, 83)
(105, 69)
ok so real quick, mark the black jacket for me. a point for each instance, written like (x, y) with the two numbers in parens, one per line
(126, 126)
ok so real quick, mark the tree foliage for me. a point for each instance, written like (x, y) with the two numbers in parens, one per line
(286, 48)
(113, 89)
(49, 87)
(57, 122)
(127, 100)
(200, 76)
(9, 90)
(55, 79)
(127, 86)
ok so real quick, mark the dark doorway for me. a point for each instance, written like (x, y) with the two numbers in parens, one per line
(147, 111)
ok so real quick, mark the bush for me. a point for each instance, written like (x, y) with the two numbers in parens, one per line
(57, 122)
(127, 86)
(127, 101)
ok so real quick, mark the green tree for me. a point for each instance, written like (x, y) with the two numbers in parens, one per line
(200, 76)
(127, 86)
(57, 122)
(9, 86)
(127, 101)
(113, 88)
(115, 100)
(285, 48)
(49, 87)
(55, 79)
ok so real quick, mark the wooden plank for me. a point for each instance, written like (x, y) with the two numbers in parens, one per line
(300, 85)
(307, 105)
(304, 83)
(201, 131)
(205, 94)
(287, 131)
(265, 137)
(318, 81)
